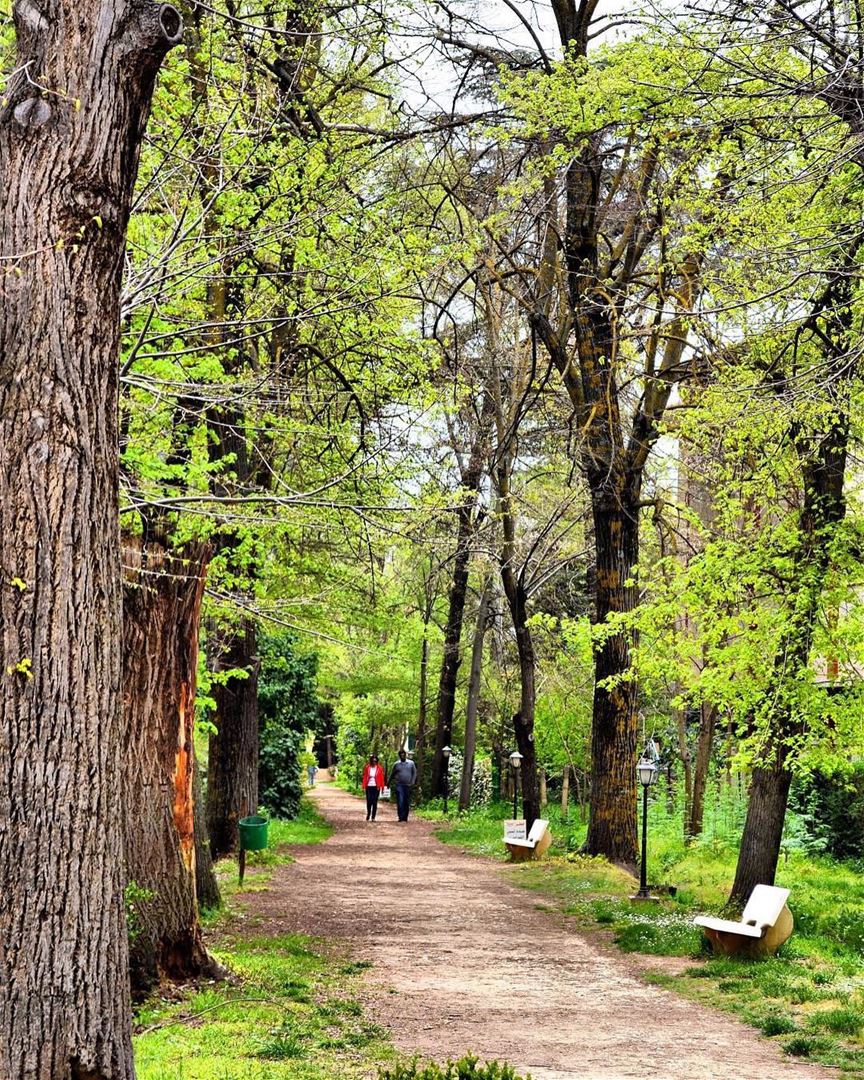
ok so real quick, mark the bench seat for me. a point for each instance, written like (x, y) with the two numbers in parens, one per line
(730, 926)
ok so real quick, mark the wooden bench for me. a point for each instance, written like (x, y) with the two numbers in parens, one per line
(766, 923)
(534, 845)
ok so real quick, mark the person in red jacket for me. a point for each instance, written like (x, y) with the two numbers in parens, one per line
(373, 784)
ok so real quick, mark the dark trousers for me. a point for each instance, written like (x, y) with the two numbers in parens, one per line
(403, 800)
(371, 802)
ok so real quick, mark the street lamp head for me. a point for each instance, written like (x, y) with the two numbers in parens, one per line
(515, 759)
(446, 752)
(646, 770)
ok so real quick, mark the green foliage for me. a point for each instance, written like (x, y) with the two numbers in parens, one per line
(466, 1068)
(135, 897)
(833, 808)
(288, 709)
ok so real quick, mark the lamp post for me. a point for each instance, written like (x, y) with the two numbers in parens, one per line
(445, 753)
(646, 770)
(515, 764)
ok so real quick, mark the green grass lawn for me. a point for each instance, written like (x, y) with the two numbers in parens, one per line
(293, 1011)
(809, 998)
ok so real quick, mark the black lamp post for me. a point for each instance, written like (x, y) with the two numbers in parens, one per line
(646, 770)
(445, 753)
(515, 764)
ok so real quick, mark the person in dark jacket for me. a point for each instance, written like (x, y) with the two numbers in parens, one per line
(373, 785)
(403, 776)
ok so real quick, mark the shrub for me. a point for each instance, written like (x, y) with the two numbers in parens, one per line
(833, 809)
(289, 707)
(481, 782)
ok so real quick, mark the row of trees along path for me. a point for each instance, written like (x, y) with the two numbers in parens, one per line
(476, 966)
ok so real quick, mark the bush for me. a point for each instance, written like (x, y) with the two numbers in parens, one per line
(481, 782)
(833, 809)
(289, 708)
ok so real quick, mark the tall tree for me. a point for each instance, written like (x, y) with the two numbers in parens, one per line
(161, 616)
(821, 445)
(473, 697)
(232, 774)
(471, 475)
(72, 119)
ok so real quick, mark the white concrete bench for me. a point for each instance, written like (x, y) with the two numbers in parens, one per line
(535, 844)
(765, 924)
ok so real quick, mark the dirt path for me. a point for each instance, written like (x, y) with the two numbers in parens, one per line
(446, 933)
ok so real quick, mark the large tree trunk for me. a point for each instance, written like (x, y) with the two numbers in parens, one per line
(232, 766)
(513, 583)
(612, 816)
(470, 749)
(161, 619)
(763, 830)
(71, 123)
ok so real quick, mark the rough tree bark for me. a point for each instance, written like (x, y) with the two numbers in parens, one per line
(71, 123)
(232, 767)
(161, 618)
(612, 819)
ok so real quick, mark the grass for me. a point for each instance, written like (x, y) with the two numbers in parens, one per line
(809, 998)
(295, 1014)
(293, 1010)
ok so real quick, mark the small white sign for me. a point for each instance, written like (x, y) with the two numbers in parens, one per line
(515, 829)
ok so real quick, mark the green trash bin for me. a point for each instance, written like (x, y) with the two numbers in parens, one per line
(253, 833)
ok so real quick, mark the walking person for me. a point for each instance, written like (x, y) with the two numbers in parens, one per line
(403, 776)
(373, 784)
(311, 770)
